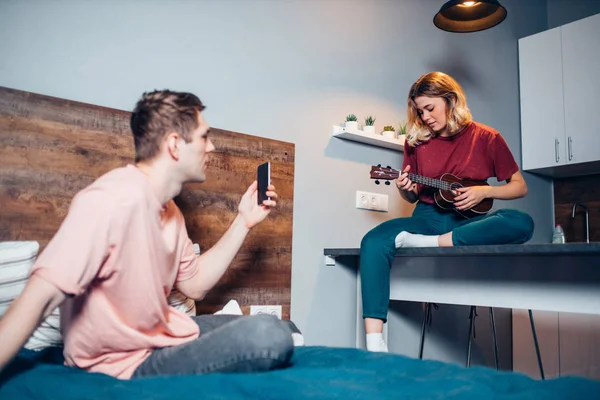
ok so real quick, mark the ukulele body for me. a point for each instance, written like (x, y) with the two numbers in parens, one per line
(445, 198)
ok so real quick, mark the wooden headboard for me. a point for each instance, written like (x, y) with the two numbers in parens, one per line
(51, 148)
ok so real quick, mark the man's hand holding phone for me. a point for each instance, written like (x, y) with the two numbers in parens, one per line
(259, 199)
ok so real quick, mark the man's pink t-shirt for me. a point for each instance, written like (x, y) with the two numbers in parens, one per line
(118, 253)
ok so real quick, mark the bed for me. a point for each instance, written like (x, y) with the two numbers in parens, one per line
(51, 148)
(316, 372)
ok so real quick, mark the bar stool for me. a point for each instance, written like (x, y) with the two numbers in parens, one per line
(472, 315)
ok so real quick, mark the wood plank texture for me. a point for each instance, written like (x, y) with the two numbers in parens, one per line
(584, 190)
(51, 148)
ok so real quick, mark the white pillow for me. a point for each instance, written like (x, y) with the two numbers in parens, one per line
(16, 259)
(47, 334)
(184, 304)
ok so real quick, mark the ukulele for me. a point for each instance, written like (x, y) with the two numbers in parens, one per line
(444, 196)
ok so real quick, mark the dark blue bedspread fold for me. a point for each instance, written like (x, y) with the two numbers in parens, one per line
(317, 373)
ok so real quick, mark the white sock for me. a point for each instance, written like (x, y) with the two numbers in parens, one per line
(376, 343)
(405, 239)
(298, 339)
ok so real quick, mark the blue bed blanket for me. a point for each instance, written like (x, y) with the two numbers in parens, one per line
(317, 373)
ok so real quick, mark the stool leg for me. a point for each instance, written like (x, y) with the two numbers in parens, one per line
(425, 320)
(493, 322)
(537, 347)
(471, 326)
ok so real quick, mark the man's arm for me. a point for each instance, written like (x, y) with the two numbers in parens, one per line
(214, 262)
(36, 302)
(82, 243)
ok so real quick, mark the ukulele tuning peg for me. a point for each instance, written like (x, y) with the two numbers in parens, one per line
(377, 182)
(387, 183)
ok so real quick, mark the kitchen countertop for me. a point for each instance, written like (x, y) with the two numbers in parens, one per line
(545, 249)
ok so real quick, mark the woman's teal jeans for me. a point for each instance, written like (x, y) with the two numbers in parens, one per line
(378, 248)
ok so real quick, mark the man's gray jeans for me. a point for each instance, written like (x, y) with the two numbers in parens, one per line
(227, 343)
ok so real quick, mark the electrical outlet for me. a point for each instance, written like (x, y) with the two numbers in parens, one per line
(372, 201)
(272, 310)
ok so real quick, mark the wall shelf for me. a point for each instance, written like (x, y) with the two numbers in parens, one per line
(368, 138)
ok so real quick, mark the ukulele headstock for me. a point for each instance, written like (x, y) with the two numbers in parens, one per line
(383, 173)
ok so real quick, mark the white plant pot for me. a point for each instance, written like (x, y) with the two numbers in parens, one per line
(370, 129)
(351, 125)
(389, 134)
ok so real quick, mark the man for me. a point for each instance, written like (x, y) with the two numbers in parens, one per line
(122, 248)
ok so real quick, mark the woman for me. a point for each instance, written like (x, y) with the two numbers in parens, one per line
(442, 138)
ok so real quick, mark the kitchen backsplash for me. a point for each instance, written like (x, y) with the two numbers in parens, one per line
(584, 190)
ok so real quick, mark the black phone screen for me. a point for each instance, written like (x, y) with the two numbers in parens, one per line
(264, 180)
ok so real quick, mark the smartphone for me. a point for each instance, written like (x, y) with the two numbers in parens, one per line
(263, 173)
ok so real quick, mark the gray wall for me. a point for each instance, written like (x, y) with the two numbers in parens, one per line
(562, 12)
(286, 70)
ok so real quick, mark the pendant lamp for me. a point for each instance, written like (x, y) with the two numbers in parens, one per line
(469, 16)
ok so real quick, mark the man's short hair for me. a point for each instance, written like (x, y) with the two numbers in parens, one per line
(158, 113)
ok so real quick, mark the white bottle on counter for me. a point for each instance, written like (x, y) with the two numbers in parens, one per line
(559, 235)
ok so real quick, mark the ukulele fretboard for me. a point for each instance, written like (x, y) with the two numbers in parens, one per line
(436, 183)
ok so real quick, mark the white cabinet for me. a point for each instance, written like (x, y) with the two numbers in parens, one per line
(559, 88)
(542, 109)
(581, 81)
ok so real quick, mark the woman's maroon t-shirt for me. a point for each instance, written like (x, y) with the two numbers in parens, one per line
(477, 152)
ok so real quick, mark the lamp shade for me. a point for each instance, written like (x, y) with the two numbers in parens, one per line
(469, 16)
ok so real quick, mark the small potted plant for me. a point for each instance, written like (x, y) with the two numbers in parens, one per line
(402, 129)
(389, 131)
(369, 128)
(351, 123)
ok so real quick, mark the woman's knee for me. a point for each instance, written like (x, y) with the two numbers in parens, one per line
(527, 226)
(372, 238)
(378, 238)
(521, 224)
(373, 247)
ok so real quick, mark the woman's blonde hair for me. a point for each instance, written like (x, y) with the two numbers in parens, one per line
(436, 84)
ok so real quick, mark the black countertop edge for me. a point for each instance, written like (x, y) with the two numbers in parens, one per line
(487, 250)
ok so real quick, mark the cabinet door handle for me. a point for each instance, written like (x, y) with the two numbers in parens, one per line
(556, 156)
(570, 145)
